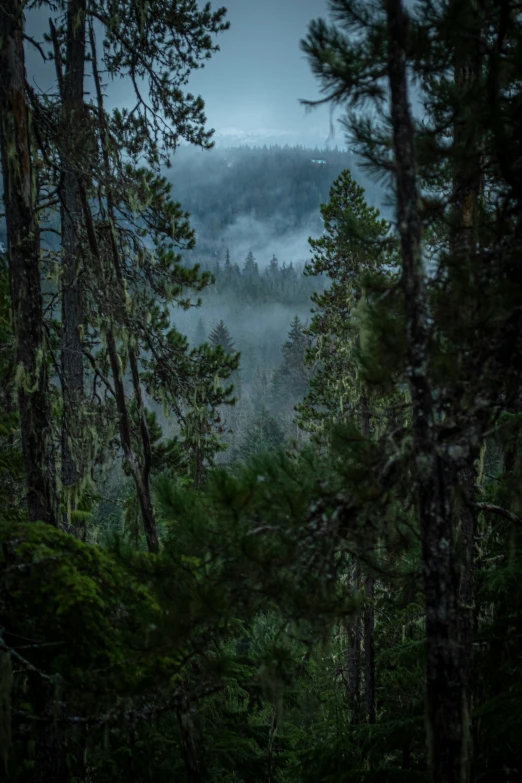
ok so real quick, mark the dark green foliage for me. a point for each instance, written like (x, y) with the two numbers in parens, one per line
(290, 381)
(263, 436)
(356, 254)
(288, 547)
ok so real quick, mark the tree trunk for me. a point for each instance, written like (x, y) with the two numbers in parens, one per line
(444, 685)
(353, 662)
(71, 219)
(369, 650)
(369, 612)
(140, 473)
(463, 244)
(271, 741)
(23, 251)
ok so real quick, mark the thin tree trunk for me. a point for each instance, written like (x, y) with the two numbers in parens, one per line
(353, 662)
(369, 649)
(444, 685)
(140, 473)
(271, 741)
(23, 251)
(71, 219)
(468, 531)
(463, 244)
(369, 612)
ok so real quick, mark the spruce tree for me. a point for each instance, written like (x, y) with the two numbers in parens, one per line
(291, 378)
(220, 336)
(250, 268)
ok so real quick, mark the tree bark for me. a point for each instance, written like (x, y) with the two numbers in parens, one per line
(23, 251)
(369, 612)
(354, 658)
(71, 218)
(369, 650)
(444, 685)
(463, 245)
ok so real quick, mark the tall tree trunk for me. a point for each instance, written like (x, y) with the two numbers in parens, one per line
(124, 421)
(369, 649)
(23, 250)
(71, 218)
(463, 245)
(369, 612)
(139, 472)
(271, 741)
(354, 657)
(444, 685)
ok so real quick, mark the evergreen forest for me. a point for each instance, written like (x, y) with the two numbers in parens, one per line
(260, 407)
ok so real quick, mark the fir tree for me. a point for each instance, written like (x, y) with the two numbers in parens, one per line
(290, 381)
(220, 336)
(250, 268)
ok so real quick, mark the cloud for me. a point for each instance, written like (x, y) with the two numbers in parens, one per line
(263, 238)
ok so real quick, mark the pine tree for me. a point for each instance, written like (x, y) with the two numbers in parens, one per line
(437, 344)
(354, 248)
(273, 267)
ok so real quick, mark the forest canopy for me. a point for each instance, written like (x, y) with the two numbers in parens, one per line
(261, 511)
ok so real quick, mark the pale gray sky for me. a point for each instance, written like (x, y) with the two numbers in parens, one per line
(254, 83)
(252, 87)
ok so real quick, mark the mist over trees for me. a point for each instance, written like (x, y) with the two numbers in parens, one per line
(260, 408)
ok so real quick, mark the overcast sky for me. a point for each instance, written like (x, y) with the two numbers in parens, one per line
(252, 87)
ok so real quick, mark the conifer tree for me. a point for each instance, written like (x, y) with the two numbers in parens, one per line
(290, 380)
(220, 336)
(451, 407)
(354, 247)
(70, 136)
(121, 289)
(250, 268)
(23, 252)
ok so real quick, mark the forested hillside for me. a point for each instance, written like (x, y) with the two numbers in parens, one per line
(249, 198)
(260, 408)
